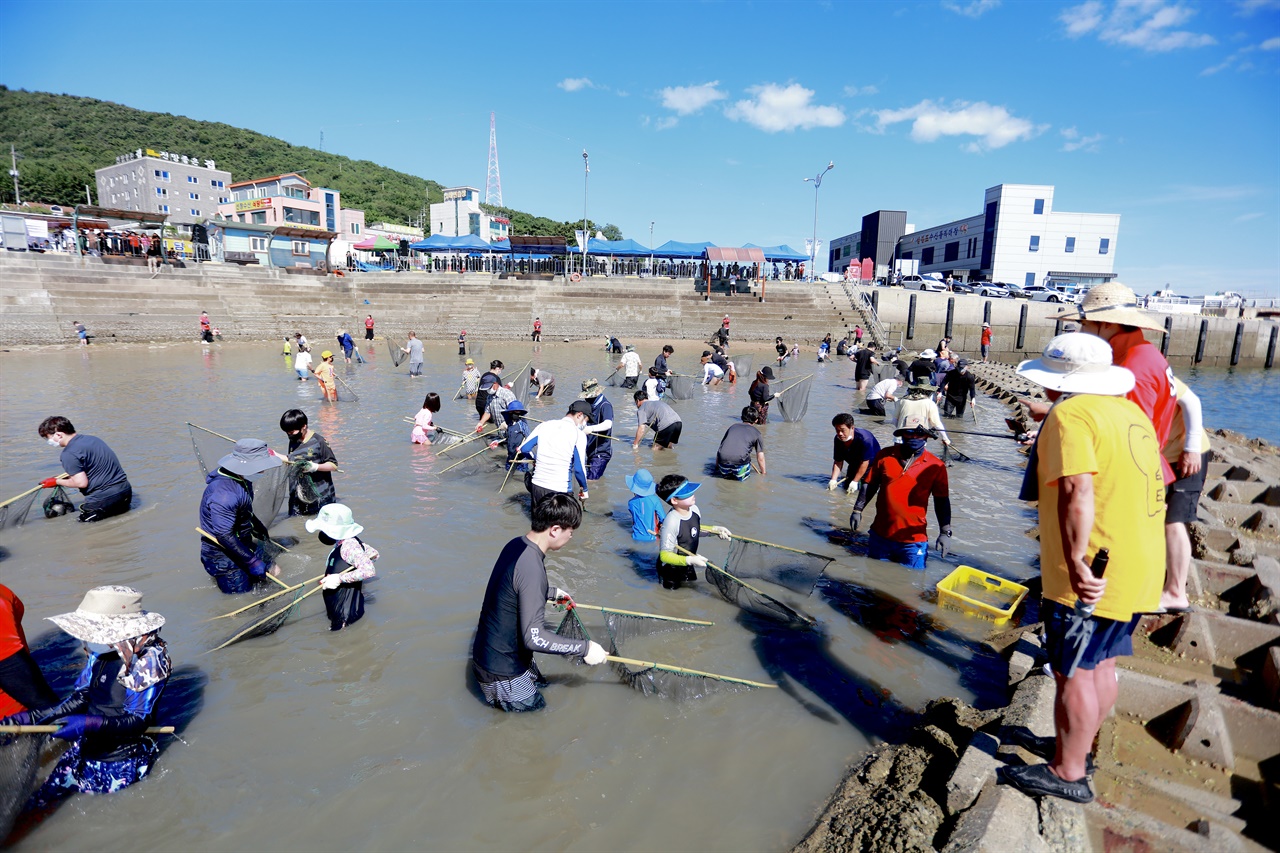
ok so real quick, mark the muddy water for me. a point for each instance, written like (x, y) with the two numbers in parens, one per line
(371, 738)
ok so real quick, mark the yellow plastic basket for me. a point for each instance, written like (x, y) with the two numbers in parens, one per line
(980, 594)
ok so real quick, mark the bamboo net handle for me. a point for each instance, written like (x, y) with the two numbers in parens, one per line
(464, 459)
(21, 496)
(775, 545)
(44, 730)
(273, 614)
(638, 613)
(648, 664)
(266, 598)
(754, 589)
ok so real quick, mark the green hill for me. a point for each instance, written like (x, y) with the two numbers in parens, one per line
(63, 138)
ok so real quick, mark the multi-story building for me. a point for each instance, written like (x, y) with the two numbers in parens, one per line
(393, 232)
(290, 200)
(1018, 238)
(460, 214)
(877, 240)
(187, 189)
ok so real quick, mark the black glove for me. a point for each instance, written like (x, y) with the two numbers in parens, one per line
(855, 519)
(944, 542)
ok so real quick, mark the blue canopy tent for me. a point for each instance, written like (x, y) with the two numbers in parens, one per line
(618, 248)
(674, 249)
(778, 253)
(465, 243)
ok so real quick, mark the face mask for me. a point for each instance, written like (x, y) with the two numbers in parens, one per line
(53, 442)
(915, 445)
(99, 648)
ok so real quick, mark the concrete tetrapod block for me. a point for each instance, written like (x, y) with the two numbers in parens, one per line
(975, 770)
(1063, 825)
(1003, 819)
(1126, 829)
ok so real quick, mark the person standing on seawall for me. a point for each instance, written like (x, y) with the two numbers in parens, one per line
(985, 344)
(91, 466)
(537, 330)
(1099, 486)
(368, 328)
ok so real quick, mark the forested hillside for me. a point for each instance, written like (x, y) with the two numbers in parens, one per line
(63, 138)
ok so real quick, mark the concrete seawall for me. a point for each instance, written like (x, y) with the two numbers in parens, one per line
(40, 295)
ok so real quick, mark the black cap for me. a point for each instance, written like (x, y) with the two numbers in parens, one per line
(767, 372)
(580, 407)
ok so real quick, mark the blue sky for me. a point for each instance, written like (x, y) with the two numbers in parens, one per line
(704, 117)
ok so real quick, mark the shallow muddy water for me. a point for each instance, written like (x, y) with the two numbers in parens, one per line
(372, 738)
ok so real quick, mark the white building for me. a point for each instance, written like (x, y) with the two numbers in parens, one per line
(1019, 238)
(393, 232)
(186, 189)
(460, 214)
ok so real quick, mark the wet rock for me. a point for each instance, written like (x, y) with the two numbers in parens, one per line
(1063, 826)
(977, 769)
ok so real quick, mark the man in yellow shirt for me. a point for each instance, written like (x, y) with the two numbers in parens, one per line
(1100, 486)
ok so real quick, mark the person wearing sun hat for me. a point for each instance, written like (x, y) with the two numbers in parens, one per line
(919, 404)
(113, 699)
(599, 429)
(231, 553)
(645, 507)
(517, 431)
(350, 564)
(470, 379)
(325, 376)
(1097, 471)
(905, 476)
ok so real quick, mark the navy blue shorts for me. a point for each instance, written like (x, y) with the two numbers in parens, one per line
(1111, 639)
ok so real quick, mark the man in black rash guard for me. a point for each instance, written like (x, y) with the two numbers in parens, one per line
(513, 618)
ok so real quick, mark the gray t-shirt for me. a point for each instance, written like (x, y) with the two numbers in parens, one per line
(657, 415)
(415, 351)
(739, 443)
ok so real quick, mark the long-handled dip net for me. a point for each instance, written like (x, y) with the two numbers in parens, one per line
(272, 622)
(346, 394)
(270, 489)
(751, 598)
(789, 567)
(650, 677)
(793, 401)
(19, 767)
(13, 512)
(521, 387)
(482, 461)
(398, 355)
(742, 365)
(681, 387)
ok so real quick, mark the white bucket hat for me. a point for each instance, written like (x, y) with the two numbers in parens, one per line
(1112, 302)
(109, 614)
(1078, 363)
(335, 521)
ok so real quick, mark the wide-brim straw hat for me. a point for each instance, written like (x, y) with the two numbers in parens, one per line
(109, 614)
(335, 521)
(1112, 302)
(1078, 363)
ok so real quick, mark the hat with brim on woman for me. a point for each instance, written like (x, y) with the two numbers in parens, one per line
(922, 384)
(590, 389)
(109, 614)
(767, 372)
(1078, 363)
(928, 354)
(250, 456)
(515, 407)
(641, 482)
(335, 521)
(1112, 302)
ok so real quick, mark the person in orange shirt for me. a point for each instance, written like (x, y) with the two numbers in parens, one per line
(22, 685)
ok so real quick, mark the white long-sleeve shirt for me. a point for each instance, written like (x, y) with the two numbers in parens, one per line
(560, 449)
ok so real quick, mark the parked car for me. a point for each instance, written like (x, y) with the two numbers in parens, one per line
(1069, 295)
(961, 287)
(915, 282)
(994, 289)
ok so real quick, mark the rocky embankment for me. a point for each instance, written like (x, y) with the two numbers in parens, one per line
(1187, 762)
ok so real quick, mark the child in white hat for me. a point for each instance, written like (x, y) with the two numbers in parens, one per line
(350, 564)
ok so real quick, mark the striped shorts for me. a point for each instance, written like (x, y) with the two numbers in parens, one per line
(516, 694)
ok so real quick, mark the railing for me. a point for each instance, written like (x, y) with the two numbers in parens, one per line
(862, 304)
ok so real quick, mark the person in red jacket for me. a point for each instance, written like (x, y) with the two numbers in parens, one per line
(22, 685)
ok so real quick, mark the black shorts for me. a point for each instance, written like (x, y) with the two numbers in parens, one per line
(537, 493)
(875, 407)
(669, 436)
(1183, 496)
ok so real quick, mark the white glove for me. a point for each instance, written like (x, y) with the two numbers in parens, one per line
(832, 483)
(852, 487)
(595, 654)
(309, 467)
(696, 560)
(560, 596)
(332, 581)
(722, 532)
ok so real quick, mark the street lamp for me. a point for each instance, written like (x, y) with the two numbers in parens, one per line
(586, 236)
(817, 182)
(650, 248)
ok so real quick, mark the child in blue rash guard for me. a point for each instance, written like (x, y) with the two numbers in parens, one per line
(113, 700)
(513, 617)
(645, 507)
(350, 564)
(680, 529)
(517, 431)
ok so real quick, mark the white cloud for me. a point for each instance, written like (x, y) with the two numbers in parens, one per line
(1245, 8)
(666, 122)
(994, 126)
(1239, 58)
(687, 100)
(772, 108)
(1074, 141)
(972, 9)
(575, 84)
(1150, 25)
(1270, 44)
(852, 91)
(1249, 217)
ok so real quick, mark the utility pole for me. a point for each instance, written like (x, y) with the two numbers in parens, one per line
(586, 235)
(13, 173)
(813, 254)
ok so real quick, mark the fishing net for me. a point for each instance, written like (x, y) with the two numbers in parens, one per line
(680, 387)
(475, 347)
(398, 355)
(270, 623)
(346, 394)
(480, 463)
(754, 600)
(521, 387)
(19, 766)
(796, 570)
(270, 488)
(742, 365)
(654, 679)
(14, 511)
(950, 453)
(794, 401)
(613, 379)
(58, 503)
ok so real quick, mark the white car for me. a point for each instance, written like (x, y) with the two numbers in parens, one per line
(993, 289)
(915, 282)
(1039, 293)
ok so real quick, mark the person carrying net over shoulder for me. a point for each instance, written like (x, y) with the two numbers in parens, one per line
(680, 530)
(350, 564)
(513, 624)
(233, 558)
